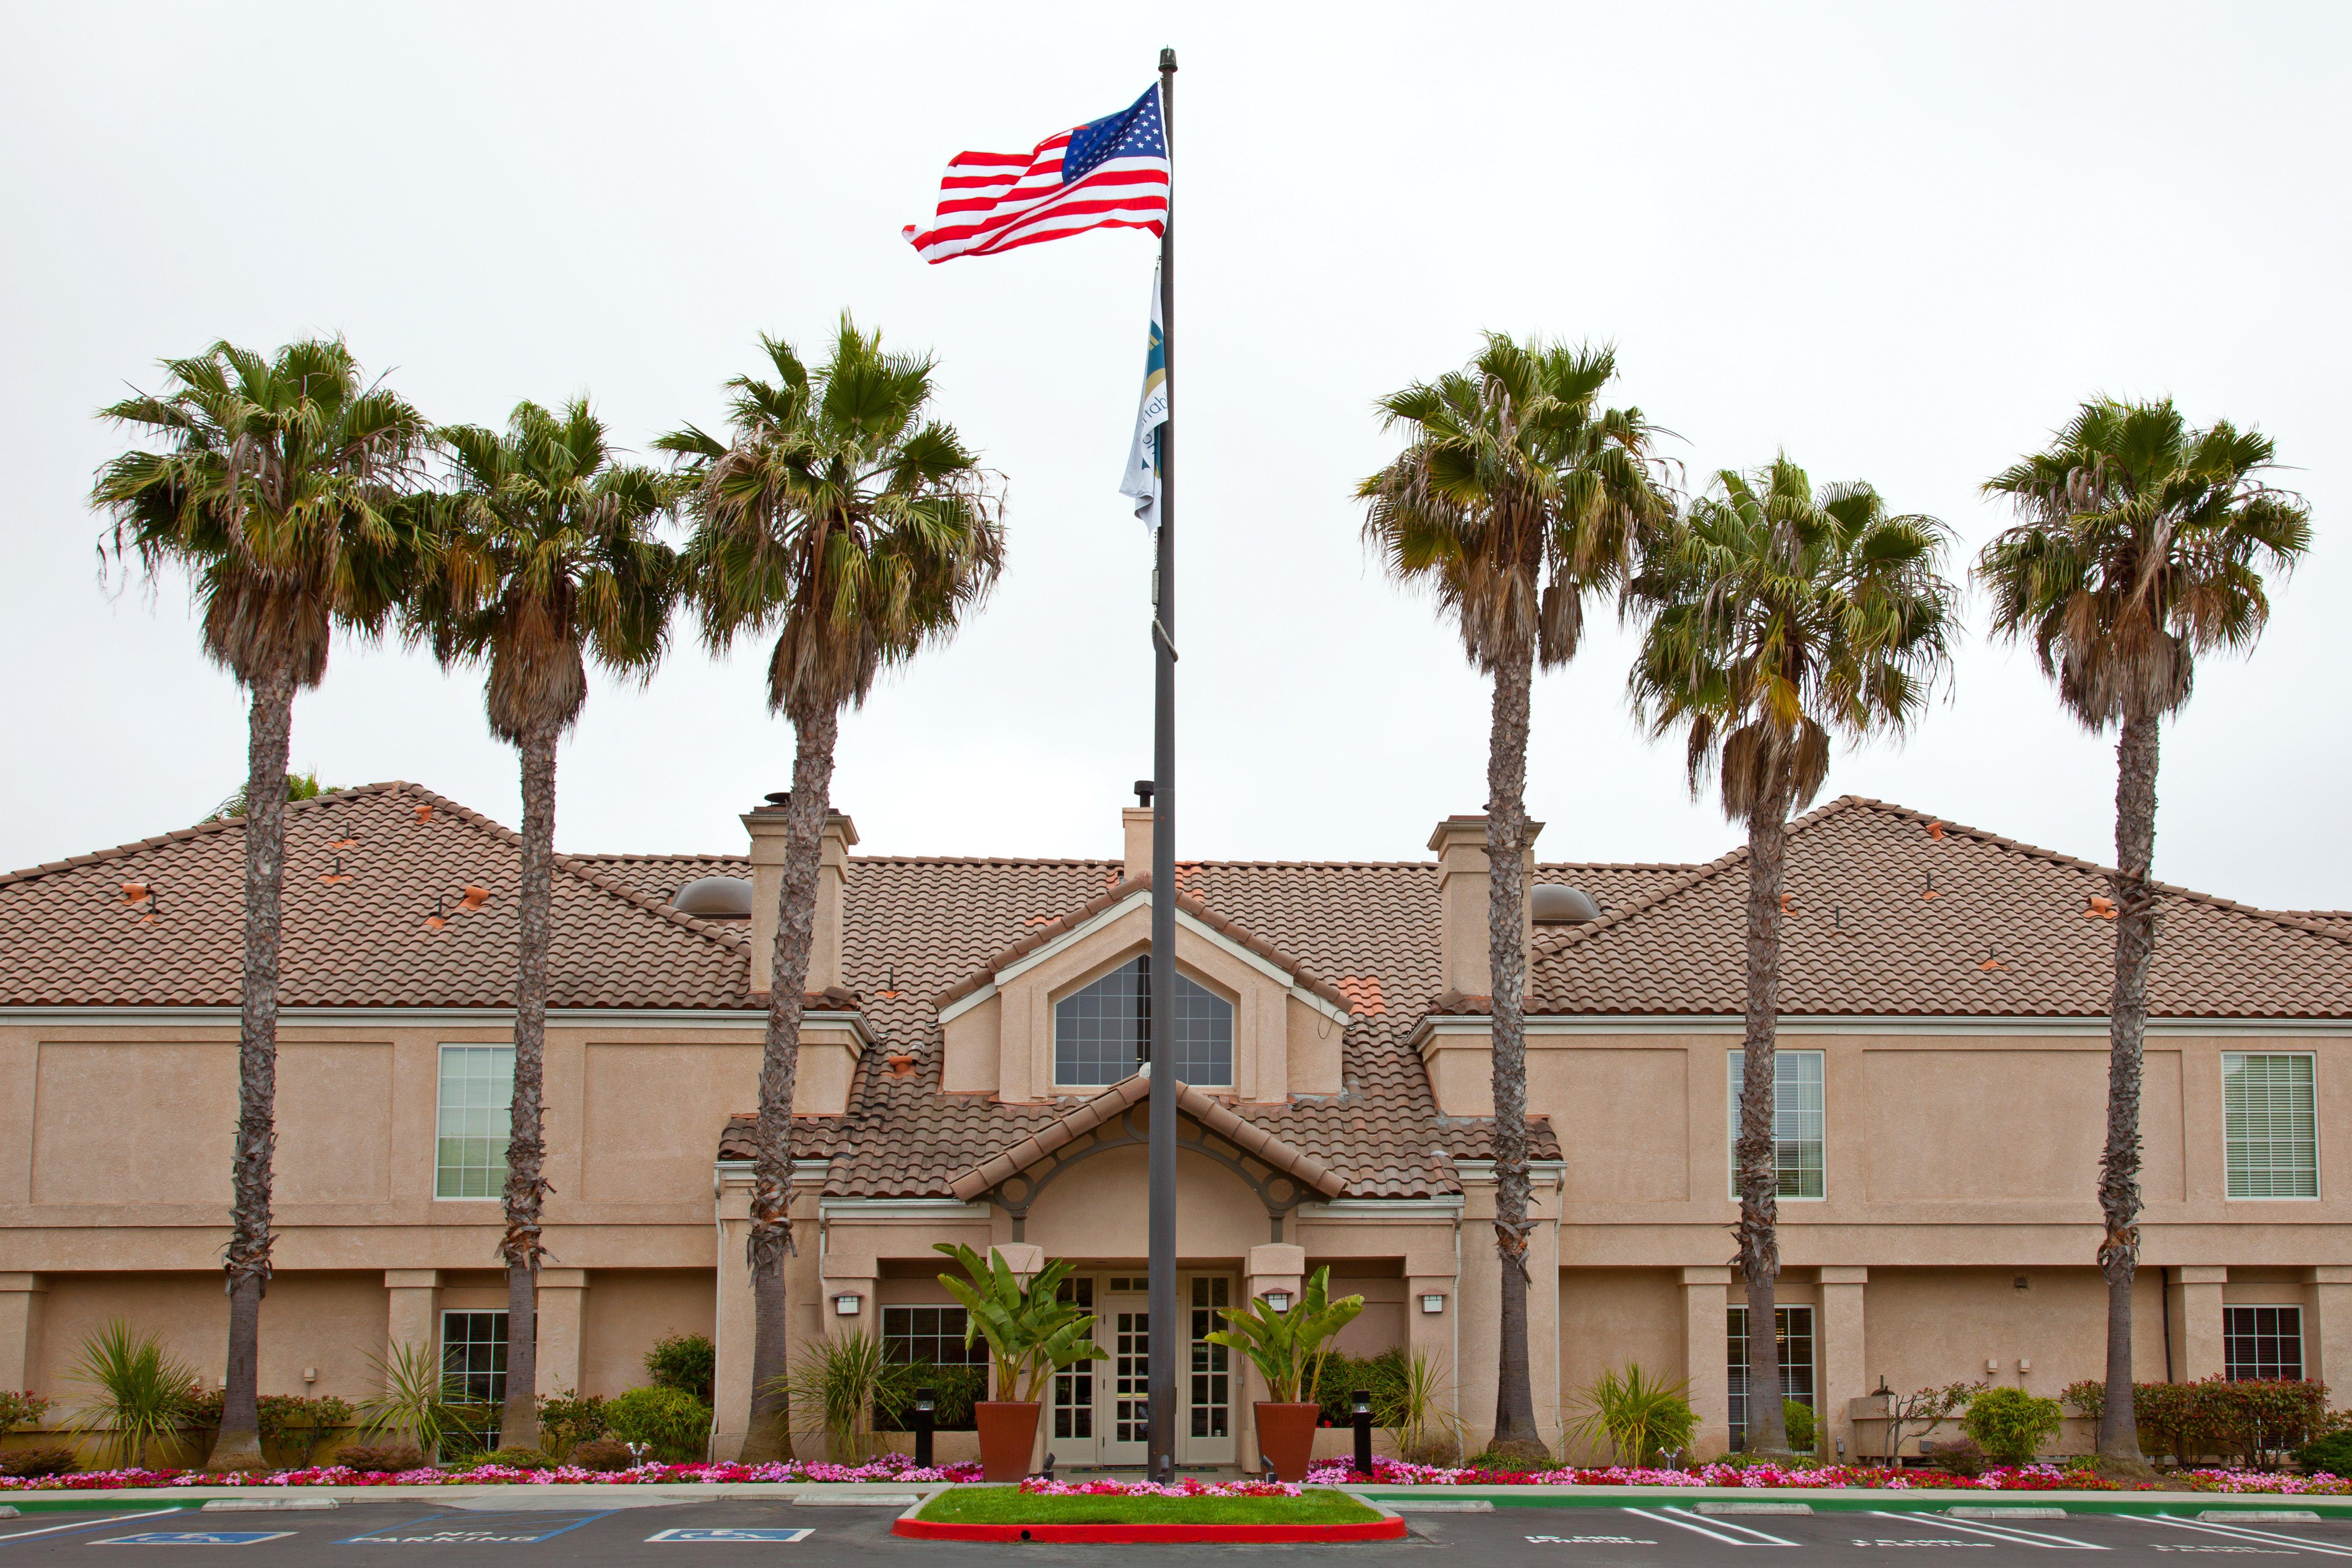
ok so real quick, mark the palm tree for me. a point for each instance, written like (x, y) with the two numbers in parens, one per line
(275, 492)
(1779, 616)
(2143, 544)
(1516, 495)
(841, 515)
(542, 556)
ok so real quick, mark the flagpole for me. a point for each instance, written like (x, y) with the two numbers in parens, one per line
(1164, 1329)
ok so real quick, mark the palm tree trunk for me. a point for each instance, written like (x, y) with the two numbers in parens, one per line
(814, 730)
(527, 1185)
(2135, 759)
(270, 735)
(1760, 1177)
(1506, 842)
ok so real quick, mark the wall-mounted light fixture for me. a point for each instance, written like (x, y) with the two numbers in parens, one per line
(1433, 1303)
(846, 1304)
(1279, 1300)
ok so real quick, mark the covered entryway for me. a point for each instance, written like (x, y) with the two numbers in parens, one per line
(1098, 1413)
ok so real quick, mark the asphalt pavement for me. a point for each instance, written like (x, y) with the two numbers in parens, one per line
(728, 1534)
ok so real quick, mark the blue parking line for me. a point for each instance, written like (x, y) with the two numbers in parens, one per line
(55, 1530)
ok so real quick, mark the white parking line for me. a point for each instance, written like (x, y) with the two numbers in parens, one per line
(1686, 1520)
(90, 1524)
(2012, 1533)
(2240, 1533)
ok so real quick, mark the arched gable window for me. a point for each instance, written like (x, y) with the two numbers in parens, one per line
(1103, 1031)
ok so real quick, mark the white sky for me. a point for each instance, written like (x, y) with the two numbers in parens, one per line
(1901, 242)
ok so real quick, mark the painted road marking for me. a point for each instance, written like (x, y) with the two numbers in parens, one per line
(475, 1530)
(195, 1538)
(1686, 1521)
(780, 1536)
(2256, 1550)
(2011, 1534)
(101, 1524)
(2239, 1533)
(1924, 1540)
(1589, 1541)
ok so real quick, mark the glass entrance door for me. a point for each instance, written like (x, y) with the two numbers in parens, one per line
(1126, 1329)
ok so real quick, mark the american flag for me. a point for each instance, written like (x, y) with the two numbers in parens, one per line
(1110, 172)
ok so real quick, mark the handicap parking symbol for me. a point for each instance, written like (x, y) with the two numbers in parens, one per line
(195, 1538)
(778, 1537)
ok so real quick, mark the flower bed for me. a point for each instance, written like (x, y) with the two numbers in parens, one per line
(2031, 1477)
(893, 1467)
(1186, 1486)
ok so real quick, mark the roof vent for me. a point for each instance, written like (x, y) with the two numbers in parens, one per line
(1560, 906)
(714, 899)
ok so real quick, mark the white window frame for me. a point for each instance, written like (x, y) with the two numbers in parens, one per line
(440, 1080)
(2228, 1058)
(1053, 1029)
(1734, 1063)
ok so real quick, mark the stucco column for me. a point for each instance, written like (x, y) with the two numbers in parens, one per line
(413, 1318)
(1270, 1266)
(1838, 1359)
(2328, 1338)
(1705, 1292)
(20, 1329)
(563, 1318)
(2196, 1301)
(1430, 1334)
(735, 1322)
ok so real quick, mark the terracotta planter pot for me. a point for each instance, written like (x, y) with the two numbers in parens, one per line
(1008, 1432)
(1287, 1435)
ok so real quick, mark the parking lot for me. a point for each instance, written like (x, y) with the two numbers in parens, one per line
(737, 1533)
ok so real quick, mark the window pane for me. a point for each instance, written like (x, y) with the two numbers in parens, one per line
(475, 1095)
(2270, 1125)
(474, 1357)
(1799, 1120)
(2262, 1341)
(1103, 1033)
(1796, 1341)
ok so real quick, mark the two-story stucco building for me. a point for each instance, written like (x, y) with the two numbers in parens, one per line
(968, 1074)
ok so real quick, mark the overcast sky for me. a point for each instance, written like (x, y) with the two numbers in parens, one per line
(1900, 242)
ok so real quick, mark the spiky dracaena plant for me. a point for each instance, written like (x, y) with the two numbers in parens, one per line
(542, 556)
(1779, 616)
(279, 488)
(839, 514)
(2142, 545)
(1517, 495)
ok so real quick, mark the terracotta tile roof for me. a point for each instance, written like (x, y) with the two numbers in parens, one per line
(1087, 1115)
(1893, 912)
(365, 869)
(1120, 892)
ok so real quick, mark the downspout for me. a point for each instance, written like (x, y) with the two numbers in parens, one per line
(1559, 1325)
(1457, 1314)
(718, 1318)
(2166, 1296)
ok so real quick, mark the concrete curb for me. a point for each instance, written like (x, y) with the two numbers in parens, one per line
(1859, 1500)
(519, 1494)
(1389, 1525)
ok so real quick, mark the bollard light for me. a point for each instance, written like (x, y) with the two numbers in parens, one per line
(1361, 1400)
(927, 1403)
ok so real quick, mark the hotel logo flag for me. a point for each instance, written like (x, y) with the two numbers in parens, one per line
(1142, 481)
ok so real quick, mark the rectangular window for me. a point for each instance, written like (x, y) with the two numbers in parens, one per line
(477, 1095)
(1797, 1116)
(934, 1335)
(1073, 1390)
(474, 1359)
(1795, 1341)
(2271, 1124)
(2262, 1341)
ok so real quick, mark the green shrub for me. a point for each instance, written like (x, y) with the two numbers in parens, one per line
(567, 1419)
(1961, 1457)
(603, 1454)
(2332, 1454)
(381, 1458)
(29, 1462)
(519, 1459)
(684, 1362)
(1341, 1374)
(673, 1422)
(1798, 1417)
(296, 1424)
(954, 1390)
(1513, 1463)
(138, 1392)
(23, 1409)
(2010, 1424)
(1638, 1415)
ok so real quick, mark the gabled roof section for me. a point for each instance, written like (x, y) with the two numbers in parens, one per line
(1114, 1101)
(1053, 931)
(1891, 911)
(377, 913)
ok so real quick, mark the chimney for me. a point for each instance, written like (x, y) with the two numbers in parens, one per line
(765, 824)
(1461, 846)
(1135, 830)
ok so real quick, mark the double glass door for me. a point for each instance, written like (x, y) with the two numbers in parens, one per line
(1099, 1412)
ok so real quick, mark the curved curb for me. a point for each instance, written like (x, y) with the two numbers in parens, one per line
(1387, 1528)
